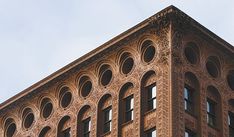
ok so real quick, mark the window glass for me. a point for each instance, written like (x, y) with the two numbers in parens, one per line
(86, 127)
(129, 104)
(188, 101)
(152, 94)
(107, 120)
(210, 112)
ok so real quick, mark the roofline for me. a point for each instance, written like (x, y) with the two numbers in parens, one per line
(111, 42)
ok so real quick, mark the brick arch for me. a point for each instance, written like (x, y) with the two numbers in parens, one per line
(61, 87)
(64, 125)
(129, 50)
(45, 131)
(98, 65)
(85, 112)
(212, 93)
(101, 68)
(214, 59)
(46, 95)
(89, 77)
(126, 54)
(7, 122)
(105, 102)
(144, 38)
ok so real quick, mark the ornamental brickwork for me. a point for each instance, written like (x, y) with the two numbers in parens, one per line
(169, 51)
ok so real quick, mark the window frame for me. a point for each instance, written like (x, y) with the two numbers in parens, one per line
(189, 102)
(107, 122)
(130, 111)
(84, 122)
(211, 115)
(150, 100)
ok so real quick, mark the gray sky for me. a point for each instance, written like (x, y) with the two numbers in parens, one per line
(38, 37)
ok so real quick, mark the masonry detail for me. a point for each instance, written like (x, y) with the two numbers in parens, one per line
(166, 77)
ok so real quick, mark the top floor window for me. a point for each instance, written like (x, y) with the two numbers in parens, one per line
(188, 99)
(86, 127)
(107, 119)
(211, 117)
(129, 104)
(152, 94)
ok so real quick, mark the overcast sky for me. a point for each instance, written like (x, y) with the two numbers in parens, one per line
(38, 37)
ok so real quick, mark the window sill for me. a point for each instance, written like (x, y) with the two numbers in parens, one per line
(127, 123)
(150, 111)
(190, 113)
(213, 127)
(105, 134)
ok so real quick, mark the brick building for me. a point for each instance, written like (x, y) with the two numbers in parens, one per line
(168, 76)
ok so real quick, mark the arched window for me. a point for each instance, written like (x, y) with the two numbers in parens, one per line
(126, 104)
(84, 122)
(45, 132)
(10, 127)
(104, 115)
(191, 94)
(148, 92)
(64, 127)
(231, 117)
(213, 107)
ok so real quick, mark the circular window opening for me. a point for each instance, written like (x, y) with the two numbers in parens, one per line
(127, 65)
(190, 55)
(212, 67)
(149, 53)
(47, 110)
(66, 99)
(86, 88)
(28, 120)
(106, 77)
(11, 130)
(230, 79)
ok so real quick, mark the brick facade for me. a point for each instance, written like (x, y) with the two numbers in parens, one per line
(168, 50)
